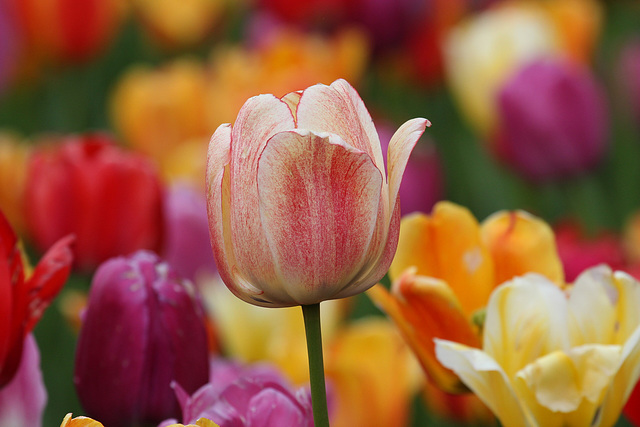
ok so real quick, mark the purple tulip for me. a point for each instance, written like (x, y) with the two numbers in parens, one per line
(143, 328)
(630, 75)
(553, 121)
(246, 396)
(187, 246)
(22, 401)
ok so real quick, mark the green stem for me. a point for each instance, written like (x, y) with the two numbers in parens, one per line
(311, 314)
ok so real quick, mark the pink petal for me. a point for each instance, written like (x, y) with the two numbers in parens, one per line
(260, 118)
(319, 202)
(400, 147)
(339, 109)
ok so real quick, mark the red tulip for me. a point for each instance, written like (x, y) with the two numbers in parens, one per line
(71, 30)
(24, 296)
(109, 198)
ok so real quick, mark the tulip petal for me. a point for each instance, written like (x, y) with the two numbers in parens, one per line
(400, 147)
(629, 371)
(259, 119)
(319, 198)
(447, 245)
(520, 315)
(484, 376)
(339, 109)
(564, 388)
(521, 243)
(292, 99)
(424, 308)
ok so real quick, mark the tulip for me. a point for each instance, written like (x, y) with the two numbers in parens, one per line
(546, 359)
(109, 198)
(287, 229)
(551, 106)
(14, 156)
(422, 182)
(23, 400)
(578, 252)
(244, 396)
(25, 294)
(373, 375)
(445, 268)
(187, 247)
(157, 125)
(143, 328)
(79, 422)
(179, 24)
(68, 30)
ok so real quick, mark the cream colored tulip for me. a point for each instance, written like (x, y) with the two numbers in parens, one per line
(554, 357)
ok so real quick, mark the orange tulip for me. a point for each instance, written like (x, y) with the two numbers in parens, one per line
(446, 266)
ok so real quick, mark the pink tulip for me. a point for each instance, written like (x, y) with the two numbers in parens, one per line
(300, 210)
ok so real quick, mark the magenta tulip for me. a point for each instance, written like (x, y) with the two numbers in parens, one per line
(300, 207)
(186, 247)
(553, 121)
(143, 328)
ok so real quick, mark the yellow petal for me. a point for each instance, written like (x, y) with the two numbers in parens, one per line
(566, 388)
(486, 379)
(521, 243)
(447, 245)
(424, 308)
(373, 375)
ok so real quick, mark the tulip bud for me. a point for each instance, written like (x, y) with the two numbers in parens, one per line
(300, 207)
(551, 107)
(187, 247)
(143, 329)
(109, 198)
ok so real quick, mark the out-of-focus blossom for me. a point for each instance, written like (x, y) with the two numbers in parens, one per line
(23, 400)
(464, 409)
(483, 51)
(157, 110)
(300, 209)
(373, 375)
(629, 70)
(252, 334)
(187, 246)
(422, 183)
(186, 163)
(202, 422)
(111, 199)
(245, 396)
(25, 294)
(546, 359)
(551, 106)
(579, 252)
(68, 30)
(306, 13)
(445, 268)
(179, 24)
(14, 156)
(282, 61)
(143, 328)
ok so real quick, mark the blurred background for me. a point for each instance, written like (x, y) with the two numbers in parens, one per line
(534, 105)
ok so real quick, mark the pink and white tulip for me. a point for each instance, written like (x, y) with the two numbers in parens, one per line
(300, 207)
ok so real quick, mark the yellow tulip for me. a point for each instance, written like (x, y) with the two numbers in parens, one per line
(373, 375)
(79, 422)
(445, 268)
(555, 358)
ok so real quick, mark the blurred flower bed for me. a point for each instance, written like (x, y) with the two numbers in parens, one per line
(106, 111)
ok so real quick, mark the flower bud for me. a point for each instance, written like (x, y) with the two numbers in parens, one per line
(143, 329)
(109, 198)
(551, 106)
